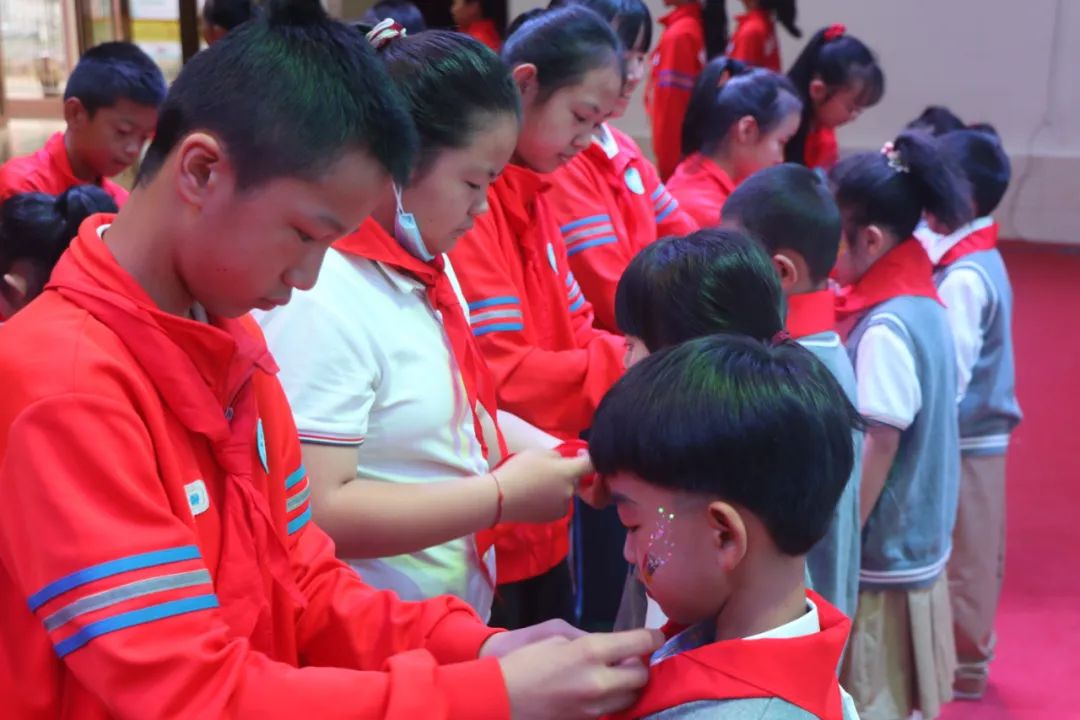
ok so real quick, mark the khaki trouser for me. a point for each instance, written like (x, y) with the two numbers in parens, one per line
(902, 655)
(977, 568)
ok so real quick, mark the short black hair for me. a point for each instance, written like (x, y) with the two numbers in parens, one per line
(789, 207)
(439, 69)
(630, 19)
(727, 90)
(872, 189)
(564, 44)
(715, 280)
(763, 426)
(38, 227)
(227, 14)
(115, 71)
(286, 93)
(936, 120)
(402, 12)
(983, 161)
(840, 61)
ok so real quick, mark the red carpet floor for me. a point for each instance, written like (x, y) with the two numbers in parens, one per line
(1037, 672)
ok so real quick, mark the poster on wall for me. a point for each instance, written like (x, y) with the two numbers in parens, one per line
(154, 9)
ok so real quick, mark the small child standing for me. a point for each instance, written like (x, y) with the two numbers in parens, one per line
(754, 40)
(902, 655)
(974, 284)
(676, 62)
(791, 212)
(725, 457)
(111, 109)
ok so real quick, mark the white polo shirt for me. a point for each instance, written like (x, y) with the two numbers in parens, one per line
(365, 363)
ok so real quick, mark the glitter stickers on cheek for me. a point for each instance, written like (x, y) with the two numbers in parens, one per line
(661, 547)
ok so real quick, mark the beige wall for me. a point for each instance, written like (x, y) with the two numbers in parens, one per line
(1010, 62)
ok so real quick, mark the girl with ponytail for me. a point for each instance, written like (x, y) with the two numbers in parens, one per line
(837, 77)
(35, 229)
(391, 375)
(902, 348)
(754, 40)
(738, 122)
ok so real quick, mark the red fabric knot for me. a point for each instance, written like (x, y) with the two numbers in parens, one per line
(386, 31)
(835, 31)
(780, 338)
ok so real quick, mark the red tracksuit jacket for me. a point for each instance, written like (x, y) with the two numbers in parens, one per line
(701, 187)
(48, 171)
(754, 41)
(822, 150)
(676, 63)
(608, 208)
(156, 554)
(484, 31)
(536, 331)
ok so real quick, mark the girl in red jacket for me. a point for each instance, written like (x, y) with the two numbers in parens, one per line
(474, 18)
(528, 313)
(754, 40)
(609, 200)
(676, 62)
(738, 122)
(837, 77)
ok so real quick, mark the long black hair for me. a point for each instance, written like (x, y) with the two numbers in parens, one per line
(839, 60)
(892, 190)
(564, 44)
(727, 90)
(630, 19)
(439, 69)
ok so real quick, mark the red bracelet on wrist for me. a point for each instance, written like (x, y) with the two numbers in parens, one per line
(502, 497)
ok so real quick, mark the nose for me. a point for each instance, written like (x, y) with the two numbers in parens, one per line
(304, 275)
(480, 208)
(582, 140)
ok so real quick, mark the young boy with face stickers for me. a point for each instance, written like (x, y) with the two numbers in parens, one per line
(725, 457)
(110, 106)
(528, 313)
(156, 548)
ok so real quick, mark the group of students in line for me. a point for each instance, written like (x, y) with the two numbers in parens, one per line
(796, 384)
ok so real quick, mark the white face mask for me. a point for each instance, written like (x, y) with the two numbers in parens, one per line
(407, 233)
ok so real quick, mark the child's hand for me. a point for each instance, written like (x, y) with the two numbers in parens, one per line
(559, 679)
(538, 484)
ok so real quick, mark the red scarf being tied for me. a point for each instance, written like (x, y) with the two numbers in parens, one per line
(811, 313)
(982, 239)
(904, 270)
(800, 670)
(371, 241)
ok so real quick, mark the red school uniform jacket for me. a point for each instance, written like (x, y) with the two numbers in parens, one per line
(609, 203)
(484, 31)
(754, 41)
(800, 670)
(156, 554)
(536, 331)
(701, 187)
(676, 63)
(48, 171)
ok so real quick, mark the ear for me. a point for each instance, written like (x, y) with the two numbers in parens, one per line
(819, 91)
(525, 77)
(729, 534)
(203, 168)
(874, 241)
(747, 130)
(786, 270)
(75, 113)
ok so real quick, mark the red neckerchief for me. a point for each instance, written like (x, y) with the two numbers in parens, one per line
(904, 270)
(822, 150)
(690, 9)
(371, 241)
(811, 313)
(801, 671)
(198, 369)
(983, 239)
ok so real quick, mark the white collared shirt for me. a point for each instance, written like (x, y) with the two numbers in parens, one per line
(366, 363)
